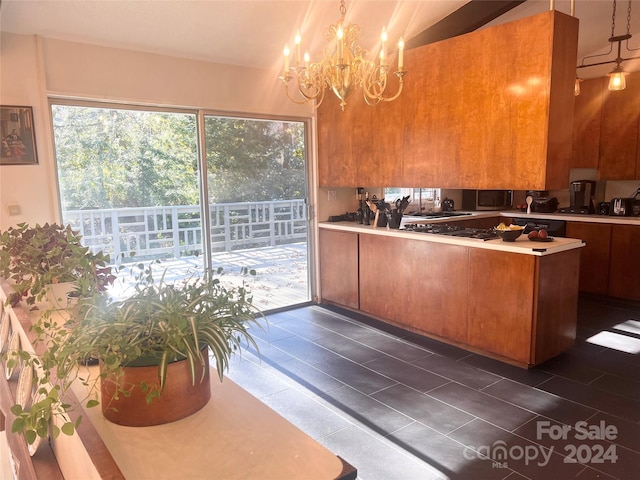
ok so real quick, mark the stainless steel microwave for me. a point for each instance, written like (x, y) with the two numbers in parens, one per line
(486, 199)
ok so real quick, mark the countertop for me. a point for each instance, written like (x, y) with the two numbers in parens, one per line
(522, 245)
(592, 218)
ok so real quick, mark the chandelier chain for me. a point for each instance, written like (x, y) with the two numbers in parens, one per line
(343, 8)
(613, 20)
(629, 19)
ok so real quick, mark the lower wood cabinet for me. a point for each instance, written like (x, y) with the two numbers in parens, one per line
(610, 263)
(523, 307)
(519, 308)
(417, 284)
(624, 269)
(339, 268)
(594, 258)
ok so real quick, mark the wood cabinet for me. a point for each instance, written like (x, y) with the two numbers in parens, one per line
(594, 258)
(587, 119)
(360, 146)
(339, 268)
(515, 318)
(624, 269)
(619, 132)
(520, 308)
(416, 284)
(489, 109)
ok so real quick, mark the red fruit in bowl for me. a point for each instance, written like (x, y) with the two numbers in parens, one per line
(542, 234)
(533, 234)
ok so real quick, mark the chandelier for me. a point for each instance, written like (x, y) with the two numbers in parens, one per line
(617, 79)
(343, 69)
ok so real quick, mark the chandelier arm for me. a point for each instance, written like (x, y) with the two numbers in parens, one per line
(378, 94)
(307, 98)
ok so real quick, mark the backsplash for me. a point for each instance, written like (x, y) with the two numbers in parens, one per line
(624, 189)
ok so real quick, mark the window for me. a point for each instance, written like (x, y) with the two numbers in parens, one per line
(421, 198)
(131, 181)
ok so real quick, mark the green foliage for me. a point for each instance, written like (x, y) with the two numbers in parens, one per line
(254, 160)
(160, 323)
(114, 158)
(35, 257)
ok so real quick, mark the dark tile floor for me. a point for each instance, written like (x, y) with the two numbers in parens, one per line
(400, 406)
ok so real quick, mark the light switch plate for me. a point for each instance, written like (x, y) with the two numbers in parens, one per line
(14, 210)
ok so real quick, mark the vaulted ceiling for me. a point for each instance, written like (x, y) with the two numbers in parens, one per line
(253, 32)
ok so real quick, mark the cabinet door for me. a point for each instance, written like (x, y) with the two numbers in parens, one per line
(336, 163)
(385, 139)
(339, 268)
(619, 132)
(587, 117)
(594, 258)
(419, 285)
(360, 146)
(501, 302)
(625, 262)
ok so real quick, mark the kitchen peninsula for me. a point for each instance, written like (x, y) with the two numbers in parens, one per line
(513, 301)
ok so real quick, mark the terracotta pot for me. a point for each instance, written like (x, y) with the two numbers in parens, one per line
(179, 399)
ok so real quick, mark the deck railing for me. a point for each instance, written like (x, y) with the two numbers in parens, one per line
(176, 231)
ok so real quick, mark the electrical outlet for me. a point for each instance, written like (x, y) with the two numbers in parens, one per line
(331, 195)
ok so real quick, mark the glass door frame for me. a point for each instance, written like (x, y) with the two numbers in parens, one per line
(310, 188)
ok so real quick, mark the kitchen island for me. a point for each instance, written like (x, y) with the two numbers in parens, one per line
(513, 301)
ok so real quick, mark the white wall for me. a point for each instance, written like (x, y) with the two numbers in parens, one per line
(33, 68)
(21, 83)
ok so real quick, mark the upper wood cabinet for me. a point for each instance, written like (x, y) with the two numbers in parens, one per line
(490, 109)
(587, 119)
(361, 146)
(619, 132)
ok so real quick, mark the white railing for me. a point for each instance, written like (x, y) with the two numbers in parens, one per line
(161, 232)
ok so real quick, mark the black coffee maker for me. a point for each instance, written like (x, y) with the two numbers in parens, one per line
(581, 194)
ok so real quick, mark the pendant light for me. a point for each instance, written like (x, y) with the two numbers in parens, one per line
(617, 80)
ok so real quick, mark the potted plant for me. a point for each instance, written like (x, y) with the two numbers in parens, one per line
(161, 324)
(35, 257)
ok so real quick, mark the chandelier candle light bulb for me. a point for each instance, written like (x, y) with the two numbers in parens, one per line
(383, 48)
(344, 68)
(286, 53)
(340, 44)
(298, 41)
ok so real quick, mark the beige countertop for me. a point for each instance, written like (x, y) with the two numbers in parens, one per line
(611, 219)
(522, 245)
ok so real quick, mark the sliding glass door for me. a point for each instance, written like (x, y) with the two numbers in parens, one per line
(130, 181)
(256, 192)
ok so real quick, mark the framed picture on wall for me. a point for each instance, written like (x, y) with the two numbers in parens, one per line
(17, 135)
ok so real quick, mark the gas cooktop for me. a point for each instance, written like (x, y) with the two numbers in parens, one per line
(452, 230)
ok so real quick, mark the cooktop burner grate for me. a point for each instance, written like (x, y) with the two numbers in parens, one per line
(452, 230)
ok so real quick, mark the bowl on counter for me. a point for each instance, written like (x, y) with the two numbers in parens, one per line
(510, 233)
